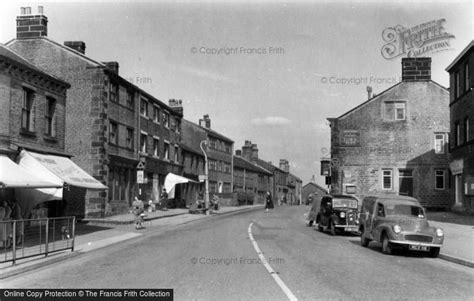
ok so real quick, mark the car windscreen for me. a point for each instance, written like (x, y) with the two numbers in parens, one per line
(344, 203)
(405, 210)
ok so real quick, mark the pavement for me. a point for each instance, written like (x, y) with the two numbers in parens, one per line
(92, 234)
(96, 233)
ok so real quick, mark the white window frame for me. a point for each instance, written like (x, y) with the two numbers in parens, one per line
(384, 176)
(156, 118)
(166, 150)
(176, 153)
(400, 106)
(439, 143)
(156, 147)
(145, 113)
(143, 148)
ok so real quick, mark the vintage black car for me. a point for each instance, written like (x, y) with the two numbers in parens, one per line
(335, 212)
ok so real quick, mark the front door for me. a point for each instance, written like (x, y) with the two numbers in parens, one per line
(458, 189)
(406, 182)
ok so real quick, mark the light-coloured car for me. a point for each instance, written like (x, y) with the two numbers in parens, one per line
(398, 222)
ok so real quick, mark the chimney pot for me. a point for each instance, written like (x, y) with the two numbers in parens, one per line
(28, 10)
(369, 92)
(40, 10)
(22, 10)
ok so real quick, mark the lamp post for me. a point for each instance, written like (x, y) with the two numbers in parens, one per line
(206, 174)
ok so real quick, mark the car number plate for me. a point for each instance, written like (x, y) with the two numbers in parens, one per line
(351, 229)
(419, 248)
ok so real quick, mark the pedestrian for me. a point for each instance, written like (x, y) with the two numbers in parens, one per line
(5, 224)
(137, 210)
(16, 215)
(268, 201)
(164, 199)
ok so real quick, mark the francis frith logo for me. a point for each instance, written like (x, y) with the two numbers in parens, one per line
(420, 40)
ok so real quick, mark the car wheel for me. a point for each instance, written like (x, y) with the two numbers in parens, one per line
(364, 241)
(386, 246)
(434, 252)
(310, 223)
(332, 228)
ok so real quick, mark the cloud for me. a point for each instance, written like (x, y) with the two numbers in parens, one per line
(271, 120)
(322, 127)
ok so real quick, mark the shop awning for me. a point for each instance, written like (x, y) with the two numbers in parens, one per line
(58, 168)
(13, 175)
(171, 180)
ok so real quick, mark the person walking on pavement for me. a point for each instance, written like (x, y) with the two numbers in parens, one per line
(268, 202)
(16, 215)
(5, 225)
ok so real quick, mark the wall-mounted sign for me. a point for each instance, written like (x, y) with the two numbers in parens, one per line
(140, 177)
(325, 167)
(350, 138)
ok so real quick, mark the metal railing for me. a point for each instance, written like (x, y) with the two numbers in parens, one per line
(32, 237)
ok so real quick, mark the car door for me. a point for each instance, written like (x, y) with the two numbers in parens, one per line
(378, 217)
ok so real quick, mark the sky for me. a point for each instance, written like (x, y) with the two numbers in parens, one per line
(268, 72)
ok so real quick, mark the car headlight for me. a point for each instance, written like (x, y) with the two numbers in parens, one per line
(439, 232)
(397, 229)
(342, 214)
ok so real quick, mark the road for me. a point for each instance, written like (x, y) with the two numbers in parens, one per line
(214, 259)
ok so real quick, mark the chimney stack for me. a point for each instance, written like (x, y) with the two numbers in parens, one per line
(284, 165)
(205, 122)
(176, 105)
(30, 26)
(416, 69)
(247, 150)
(79, 46)
(254, 154)
(113, 66)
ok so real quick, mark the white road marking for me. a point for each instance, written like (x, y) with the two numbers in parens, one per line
(269, 268)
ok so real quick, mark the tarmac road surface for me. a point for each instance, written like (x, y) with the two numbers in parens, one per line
(215, 259)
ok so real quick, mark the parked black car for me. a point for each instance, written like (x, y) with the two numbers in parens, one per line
(338, 212)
